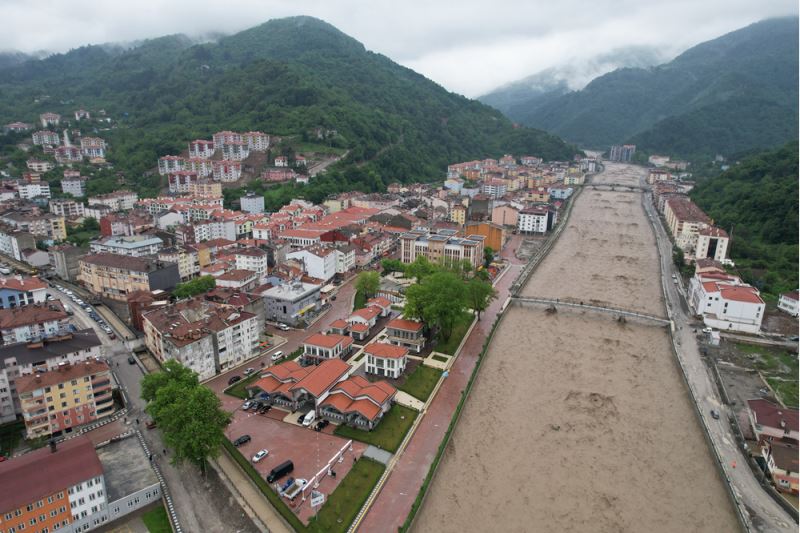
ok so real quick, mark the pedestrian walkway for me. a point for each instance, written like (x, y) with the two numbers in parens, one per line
(406, 400)
(382, 456)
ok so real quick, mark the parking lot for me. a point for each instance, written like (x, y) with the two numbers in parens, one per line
(76, 305)
(309, 450)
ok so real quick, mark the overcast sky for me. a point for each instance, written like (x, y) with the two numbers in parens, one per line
(468, 46)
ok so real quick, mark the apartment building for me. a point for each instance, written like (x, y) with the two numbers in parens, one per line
(289, 302)
(788, 303)
(180, 182)
(227, 171)
(65, 207)
(685, 220)
(205, 336)
(712, 243)
(28, 191)
(201, 148)
(28, 357)
(187, 259)
(252, 203)
(16, 291)
(725, 302)
(318, 262)
(46, 138)
(131, 246)
(235, 151)
(171, 163)
(254, 259)
(118, 201)
(74, 186)
(441, 246)
(205, 188)
(115, 276)
(533, 219)
(92, 147)
(35, 321)
(55, 401)
(256, 141)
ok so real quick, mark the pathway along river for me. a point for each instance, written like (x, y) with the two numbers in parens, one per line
(576, 422)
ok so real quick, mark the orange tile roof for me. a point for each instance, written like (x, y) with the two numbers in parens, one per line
(323, 377)
(380, 301)
(21, 283)
(358, 327)
(339, 324)
(741, 294)
(331, 340)
(405, 325)
(367, 313)
(358, 394)
(390, 351)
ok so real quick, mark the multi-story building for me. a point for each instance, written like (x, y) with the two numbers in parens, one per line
(43, 226)
(288, 303)
(171, 163)
(322, 346)
(252, 203)
(203, 167)
(17, 127)
(222, 137)
(201, 148)
(82, 114)
(92, 147)
(725, 302)
(74, 186)
(180, 182)
(128, 224)
(406, 333)
(115, 276)
(13, 241)
(37, 165)
(622, 153)
(205, 336)
(441, 247)
(235, 151)
(49, 119)
(256, 141)
(494, 188)
(118, 200)
(533, 220)
(34, 321)
(788, 303)
(345, 258)
(64, 258)
(133, 246)
(29, 357)
(712, 243)
(458, 214)
(254, 259)
(227, 171)
(68, 154)
(185, 257)
(64, 207)
(387, 360)
(318, 262)
(28, 191)
(205, 188)
(56, 401)
(46, 138)
(16, 291)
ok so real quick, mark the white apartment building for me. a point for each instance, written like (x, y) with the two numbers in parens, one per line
(32, 190)
(256, 141)
(235, 151)
(319, 262)
(170, 163)
(725, 302)
(252, 203)
(227, 171)
(187, 259)
(74, 186)
(117, 201)
(201, 148)
(46, 138)
(132, 246)
(345, 259)
(788, 303)
(66, 208)
(203, 167)
(180, 182)
(222, 137)
(93, 147)
(533, 220)
(712, 243)
(254, 259)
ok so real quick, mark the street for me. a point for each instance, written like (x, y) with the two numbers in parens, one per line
(765, 514)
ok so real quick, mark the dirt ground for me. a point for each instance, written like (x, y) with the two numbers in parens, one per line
(606, 256)
(576, 422)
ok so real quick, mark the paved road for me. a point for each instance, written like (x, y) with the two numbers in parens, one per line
(391, 507)
(765, 513)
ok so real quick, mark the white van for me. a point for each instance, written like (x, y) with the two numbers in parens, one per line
(277, 356)
(309, 418)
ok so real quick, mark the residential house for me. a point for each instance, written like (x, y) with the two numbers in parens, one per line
(533, 219)
(406, 333)
(725, 303)
(321, 346)
(46, 138)
(358, 402)
(290, 385)
(65, 207)
(387, 360)
(16, 291)
(318, 262)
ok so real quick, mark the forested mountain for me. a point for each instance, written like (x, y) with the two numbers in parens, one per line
(757, 201)
(723, 96)
(286, 77)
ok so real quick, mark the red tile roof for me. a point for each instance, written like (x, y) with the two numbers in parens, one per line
(330, 340)
(323, 377)
(771, 415)
(21, 283)
(791, 295)
(379, 301)
(40, 473)
(741, 294)
(61, 374)
(405, 325)
(358, 327)
(367, 313)
(389, 351)
(339, 324)
(32, 314)
(357, 394)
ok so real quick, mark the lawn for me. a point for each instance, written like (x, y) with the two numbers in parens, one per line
(10, 435)
(388, 434)
(787, 391)
(341, 507)
(359, 301)
(450, 345)
(157, 520)
(421, 381)
(239, 389)
(440, 358)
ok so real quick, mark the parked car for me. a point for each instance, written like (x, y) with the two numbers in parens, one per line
(715, 414)
(309, 418)
(234, 379)
(264, 409)
(300, 418)
(247, 405)
(279, 471)
(277, 356)
(283, 327)
(244, 439)
(249, 371)
(260, 454)
(131, 360)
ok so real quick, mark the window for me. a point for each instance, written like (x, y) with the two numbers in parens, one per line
(8, 516)
(40, 504)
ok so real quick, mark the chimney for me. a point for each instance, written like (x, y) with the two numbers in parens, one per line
(52, 445)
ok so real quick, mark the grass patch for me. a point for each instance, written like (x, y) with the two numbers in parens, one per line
(348, 498)
(421, 382)
(359, 301)
(440, 358)
(157, 520)
(360, 356)
(10, 435)
(239, 389)
(787, 391)
(388, 434)
(460, 328)
(295, 354)
(344, 502)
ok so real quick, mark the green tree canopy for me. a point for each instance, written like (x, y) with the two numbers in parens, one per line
(194, 287)
(479, 294)
(438, 300)
(368, 283)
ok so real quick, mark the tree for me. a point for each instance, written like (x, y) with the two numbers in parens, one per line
(368, 283)
(479, 294)
(488, 256)
(420, 268)
(194, 287)
(438, 301)
(392, 265)
(190, 415)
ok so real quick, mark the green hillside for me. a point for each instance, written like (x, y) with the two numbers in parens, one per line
(726, 95)
(285, 77)
(757, 201)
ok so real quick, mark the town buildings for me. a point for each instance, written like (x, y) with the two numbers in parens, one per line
(441, 246)
(75, 186)
(406, 333)
(34, 321)
(776, 431)
(319, 262)
(788, 303)
(622, 153)
(115, 276)
(17, 291)
(321, 346)
(725, 302)
(252, 203)
(67, 208)
(118, 201)
(289, 302)
(388, 360)
(132, 246)
(55, 401)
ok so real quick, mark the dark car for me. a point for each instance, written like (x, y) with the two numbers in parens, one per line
(264, 409)
(322, 424)
(131, 360)
(715, 414)
(244, 439)
(300, 418)
(279, 471)
(234, 379)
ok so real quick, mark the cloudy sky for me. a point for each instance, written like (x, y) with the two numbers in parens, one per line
(468, 46)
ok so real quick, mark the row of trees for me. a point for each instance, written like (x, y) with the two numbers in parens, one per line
(194, 287)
